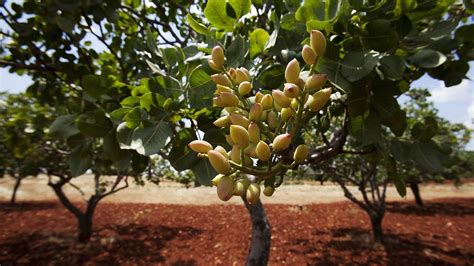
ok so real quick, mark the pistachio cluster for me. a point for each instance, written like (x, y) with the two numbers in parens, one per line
(261, 125)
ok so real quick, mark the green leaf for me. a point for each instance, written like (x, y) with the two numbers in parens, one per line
(404, 6)
(204, 172)
(333, 70)
(197, 27)
(392, 67)
(167, 86)
(428, 58)
(63, 127)
(181, 156)
(150, 138)
(94, 124)
(202, 89)
(124, 136)
(151, 99)
(80, 160)
(426, 130)
(392, 173)
(427, 156)
(216, 137)
(380, 35)
(241, 7)
(366, 128)
(357, 65)
(258, 40)
(272, 76)
(235, 54)
(133, 118)
(215, 13)
(93, 86)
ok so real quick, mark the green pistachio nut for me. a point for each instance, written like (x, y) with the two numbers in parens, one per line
(292, 71)
(225, 189)
(281, 142)
(200, 146)
(301, 153)
(219, 162)
(253, 193)
(240, 136)
(309, 56)
(280, 98)
(263, 151)
(318, 42)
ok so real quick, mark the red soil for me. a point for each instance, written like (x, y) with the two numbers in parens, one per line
(442, 233)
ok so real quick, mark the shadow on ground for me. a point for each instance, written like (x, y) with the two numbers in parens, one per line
(110, 245)
(433, 208)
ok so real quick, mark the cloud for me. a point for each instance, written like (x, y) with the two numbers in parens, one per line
(459, 93)
(470, 112)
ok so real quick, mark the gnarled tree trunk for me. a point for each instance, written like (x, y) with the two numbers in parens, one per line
(15, 189)
(259, 250)
(416, 193)
(377, 231)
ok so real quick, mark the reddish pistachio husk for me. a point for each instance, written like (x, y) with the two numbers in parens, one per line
(200, 146)
(226, 99)
(240, 120)
(286, 114)
(267, 102)
(300, 83)
(318, 42)
(222, 122)
(222, 151)
(272, 120)
(239, 188)
(280, 98)
(309, 56)
(225, 189)
(232, 73)
(245, 88)
(219, 162)
(291, 90)
(315, 82)
(213, 65)
(255, 113)
(301, 153)
(254, 132)
(292, 71)
(281, 142)
(217, 56)
(221, 80)
(235, 154)
(240, 136)
(268, 191)
(253, 193)
(263, 151)
(320, 98)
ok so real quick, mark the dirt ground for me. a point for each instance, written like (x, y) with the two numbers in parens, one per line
(33, 189)
(42, 232)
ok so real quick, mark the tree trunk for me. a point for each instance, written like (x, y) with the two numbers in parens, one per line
(259, 250)
(416, 192)
(15, 189)
(85, 228)
(377, 231)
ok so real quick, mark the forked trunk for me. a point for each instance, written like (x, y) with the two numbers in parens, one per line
(416, 192)
(377, 231)
(259, 250)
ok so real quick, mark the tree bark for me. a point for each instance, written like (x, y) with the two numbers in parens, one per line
(259, 250)
(377, 231)
(15, 189)
(85, 221)
(416, 192)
